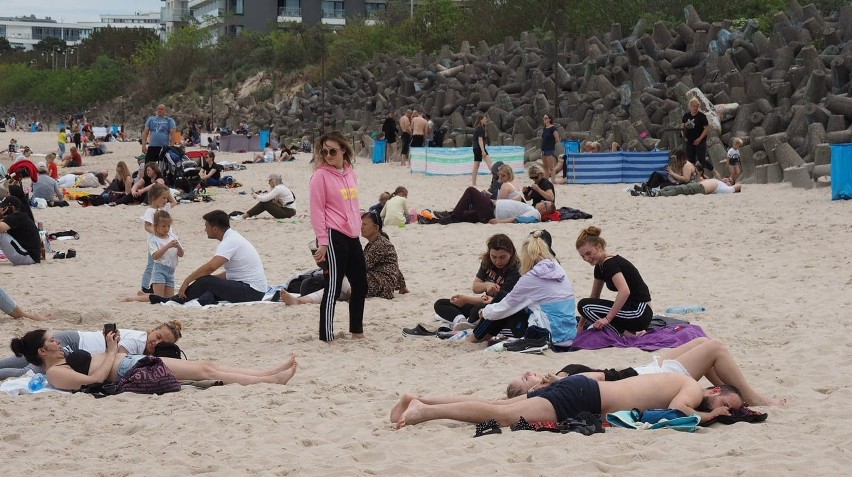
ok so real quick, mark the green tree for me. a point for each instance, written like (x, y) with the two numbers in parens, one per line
(116, 43)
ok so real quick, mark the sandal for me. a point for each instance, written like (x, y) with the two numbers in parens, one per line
(58, 255)
(487, 428)
(71, 253)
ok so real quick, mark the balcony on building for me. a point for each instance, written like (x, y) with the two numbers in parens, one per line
(289, 14)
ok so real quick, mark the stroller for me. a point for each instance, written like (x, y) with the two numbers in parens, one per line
(179, 171)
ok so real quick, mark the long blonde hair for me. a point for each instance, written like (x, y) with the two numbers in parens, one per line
(534, 250)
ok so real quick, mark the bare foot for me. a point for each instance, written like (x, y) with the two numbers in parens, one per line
(287, 364)
(400, 407)
(288, 298)
(768, 401)
(412, 415)
(284, 376)
(140, 292)
(37, 317)
(404, 290)
(357, 336)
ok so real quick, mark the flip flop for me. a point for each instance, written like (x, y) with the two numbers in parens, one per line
(487, 428)
(418, 331)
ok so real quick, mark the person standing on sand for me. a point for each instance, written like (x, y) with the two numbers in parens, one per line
(405, 138)
(336, 220)
(389, 128)
(161, 128)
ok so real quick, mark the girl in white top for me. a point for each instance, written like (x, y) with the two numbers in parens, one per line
(506, 177)
(395, 211)
(164, 248)
(159, 197)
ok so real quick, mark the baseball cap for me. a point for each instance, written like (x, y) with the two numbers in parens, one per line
(42, 165)
(545, 235)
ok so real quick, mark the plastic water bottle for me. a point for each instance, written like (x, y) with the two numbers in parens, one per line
(37, 383)
(685, 310)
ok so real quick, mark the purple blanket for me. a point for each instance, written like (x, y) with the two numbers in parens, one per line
(668, 337)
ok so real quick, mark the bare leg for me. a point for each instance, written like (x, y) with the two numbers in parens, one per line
(159, 289)
(143, 297)
(475, 173)
(713, 360)
(255, 372)
(535, 409)
(19, 313)
(289, 299)
(675, 353)
(201, 370)
(547, 161)
(405, 400)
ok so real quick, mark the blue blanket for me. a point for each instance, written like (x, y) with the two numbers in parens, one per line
(667, 337)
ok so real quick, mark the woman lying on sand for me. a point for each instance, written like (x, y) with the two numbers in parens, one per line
(701, 357)
(130, 342)
(80, 368)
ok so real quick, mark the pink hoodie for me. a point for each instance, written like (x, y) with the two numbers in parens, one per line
(334, 202)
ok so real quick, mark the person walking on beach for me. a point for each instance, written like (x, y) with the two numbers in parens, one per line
(161, 128)
(479, 151)
(336, 220)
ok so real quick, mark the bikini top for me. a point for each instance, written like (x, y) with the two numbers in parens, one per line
(79, 361)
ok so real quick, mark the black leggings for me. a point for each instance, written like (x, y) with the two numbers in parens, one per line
(698, 154)
(210, 289)
(345, 258)
(631, 317)
(658, 179)
(446, 310)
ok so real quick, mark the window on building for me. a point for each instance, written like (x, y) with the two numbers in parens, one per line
(290, 8)
(2, 31)
(371, 9)
(236, 6)
(332, 9)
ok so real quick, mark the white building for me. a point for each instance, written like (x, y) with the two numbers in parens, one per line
(137, 20)
(25, 32)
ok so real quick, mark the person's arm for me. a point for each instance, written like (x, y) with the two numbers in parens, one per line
(172, 129)
(547, 194)
(482, 147)
(4, 227)
(57, 192)
(318, 204)
(178, 246)
(556, 135)
(509, 220)
(172, 199)
(505, 189)
(145, 133)
(128, 184)
(138, 186)
(207, 269)
(515, 301)
(690, 396)
(481, 286)
(704, 131)
(620, 299)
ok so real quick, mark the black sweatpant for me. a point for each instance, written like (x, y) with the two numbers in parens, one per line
(210, 289)
(631, 317)
(698, 153)
(345, 258)
(446, 310)
(474, 206)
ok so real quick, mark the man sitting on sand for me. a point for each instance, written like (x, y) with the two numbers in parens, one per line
(699, 358)
(568, 397)
(243, 279)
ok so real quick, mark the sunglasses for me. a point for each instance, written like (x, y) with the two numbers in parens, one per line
(330, 152)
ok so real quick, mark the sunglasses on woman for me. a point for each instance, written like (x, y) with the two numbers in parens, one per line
(330, 152)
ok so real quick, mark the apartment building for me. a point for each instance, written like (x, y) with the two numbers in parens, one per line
(25, 32)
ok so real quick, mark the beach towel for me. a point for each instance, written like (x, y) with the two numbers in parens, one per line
(667, 337)
(18, 386)
(654, 419)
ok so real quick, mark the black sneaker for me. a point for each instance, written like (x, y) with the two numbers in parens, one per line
(526, 345)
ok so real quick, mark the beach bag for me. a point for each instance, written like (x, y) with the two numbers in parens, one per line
(149, 376)
(168, 350)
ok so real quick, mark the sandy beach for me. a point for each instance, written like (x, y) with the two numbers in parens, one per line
(772, 266)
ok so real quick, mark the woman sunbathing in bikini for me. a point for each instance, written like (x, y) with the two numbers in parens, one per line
(81, 368)
(699, 358)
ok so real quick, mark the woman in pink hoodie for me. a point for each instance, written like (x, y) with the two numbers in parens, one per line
(336, 219)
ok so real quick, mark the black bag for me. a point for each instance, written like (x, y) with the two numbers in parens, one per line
(168, 350)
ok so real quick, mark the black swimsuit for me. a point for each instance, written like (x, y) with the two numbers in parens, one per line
(79, 361)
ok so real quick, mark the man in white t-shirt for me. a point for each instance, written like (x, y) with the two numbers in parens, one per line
(507, 211)
(243, 278)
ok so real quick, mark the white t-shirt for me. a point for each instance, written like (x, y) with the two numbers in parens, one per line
(509, 209)
(722, 188)
(170, 258)
(148, 216)
(133, 341)
(243, 263)
(733, 153)
(280, 194)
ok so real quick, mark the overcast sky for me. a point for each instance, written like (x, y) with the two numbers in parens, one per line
(71, 11)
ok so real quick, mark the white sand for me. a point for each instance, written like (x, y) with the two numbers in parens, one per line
(771, 265)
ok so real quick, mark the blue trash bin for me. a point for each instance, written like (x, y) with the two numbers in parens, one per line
(841, 171)
(571, 146)
(379, 149)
